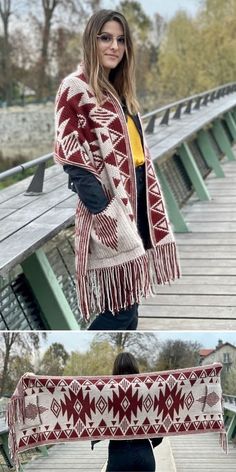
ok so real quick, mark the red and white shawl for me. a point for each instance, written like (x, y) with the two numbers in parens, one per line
(113, 269)
(45, 410)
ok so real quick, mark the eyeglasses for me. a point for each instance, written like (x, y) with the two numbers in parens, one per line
(108, 39)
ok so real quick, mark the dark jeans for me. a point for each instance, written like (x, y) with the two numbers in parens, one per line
(131, 456)
(127, 319)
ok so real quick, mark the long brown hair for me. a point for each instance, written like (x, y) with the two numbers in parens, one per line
(121, 79)
(125, 363)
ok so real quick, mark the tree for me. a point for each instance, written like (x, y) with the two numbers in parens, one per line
(11, 345)
(54, 360)
(144, 346)
(5, 13)
(175, 353)
(98, 360)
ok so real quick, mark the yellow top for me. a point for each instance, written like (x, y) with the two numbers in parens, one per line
(135, 142)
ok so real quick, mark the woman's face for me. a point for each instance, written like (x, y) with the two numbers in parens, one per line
(111, 45)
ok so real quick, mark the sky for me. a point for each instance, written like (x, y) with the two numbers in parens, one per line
(166, 8)
(79, 341)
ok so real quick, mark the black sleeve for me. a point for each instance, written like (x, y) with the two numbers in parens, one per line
(156, 441)
(94, 442)
(89, 189)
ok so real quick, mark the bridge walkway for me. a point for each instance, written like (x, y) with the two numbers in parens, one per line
(201, 452)
(205, 296)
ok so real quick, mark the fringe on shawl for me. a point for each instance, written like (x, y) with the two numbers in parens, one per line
(224, 441)
(15, 413)
(163, 264)
(117, 287)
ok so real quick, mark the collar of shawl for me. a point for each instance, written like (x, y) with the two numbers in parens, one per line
(44, 410)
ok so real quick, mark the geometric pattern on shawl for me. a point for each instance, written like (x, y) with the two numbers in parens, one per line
(45, 410)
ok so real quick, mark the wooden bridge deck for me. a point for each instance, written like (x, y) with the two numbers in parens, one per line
(177, 454)
(76, 456)
(202, 453)
(205, 296)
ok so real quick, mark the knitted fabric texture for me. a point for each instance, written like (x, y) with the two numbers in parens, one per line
(44, 410)
(113, 269)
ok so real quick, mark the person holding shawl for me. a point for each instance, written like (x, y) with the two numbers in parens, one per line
(124, 245)
(133, 454)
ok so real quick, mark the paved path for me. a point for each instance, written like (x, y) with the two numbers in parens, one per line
(205, 296)
(198, 453)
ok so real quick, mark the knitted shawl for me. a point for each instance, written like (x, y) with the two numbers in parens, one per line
(45, 410)
(113, 269)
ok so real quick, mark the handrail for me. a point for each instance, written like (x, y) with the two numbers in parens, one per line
(178, 105)
(26, 165)
(230, 399)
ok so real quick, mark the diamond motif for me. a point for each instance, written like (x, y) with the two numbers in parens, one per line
(148, 403)
(167, 422)
(55, 408)
(171, 381)
(101, 404)
(169, 401)
(77, 406)
(125, 404)
(189, 400)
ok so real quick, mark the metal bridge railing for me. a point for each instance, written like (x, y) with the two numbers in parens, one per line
(185, 105)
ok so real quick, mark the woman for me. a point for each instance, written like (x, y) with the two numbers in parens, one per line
(130, 455)
(123, 242)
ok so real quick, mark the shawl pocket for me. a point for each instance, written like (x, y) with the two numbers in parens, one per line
(114, 234)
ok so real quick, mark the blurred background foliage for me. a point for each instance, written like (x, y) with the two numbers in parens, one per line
(26, 352)
(40, 43)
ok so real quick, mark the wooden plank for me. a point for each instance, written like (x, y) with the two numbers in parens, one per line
(29, 238)
(27, 215)
(203, 271)
(198, 289)
(207, 280)
(192, 300)
(185, 324)
(186, 311)
(22, 185)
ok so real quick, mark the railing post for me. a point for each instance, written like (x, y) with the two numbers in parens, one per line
(208, 152)
(193, 172)
(232, 426)
(222, 139)
(231, 124)
(55, 308)
(174, 212)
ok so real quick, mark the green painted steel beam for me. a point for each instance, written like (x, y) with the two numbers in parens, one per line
(174, 212)
(51, 299)
(4, 441)
(231, 427)
(231, 124)
(193, 172)
(43, 450)
(209, 153)
(222, 139)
